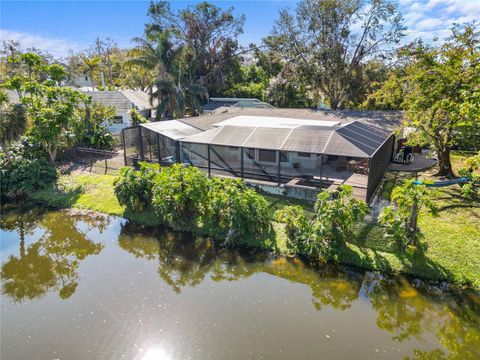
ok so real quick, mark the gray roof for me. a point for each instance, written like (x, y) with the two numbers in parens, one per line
(386, 120)
(173, 129)
(216, 105)
(354, 139)
(122, 100)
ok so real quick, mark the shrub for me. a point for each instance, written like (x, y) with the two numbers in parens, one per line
(297, 226)
(134, 188)
(332, 225)
(235, 212)
(21, 176)
(334, 222)
(401, 221)
(179, 196)
(136, 118)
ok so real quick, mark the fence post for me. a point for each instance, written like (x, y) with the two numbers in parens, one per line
(124, 148)
(241, 163)
(105, 162)
(158, 149)
(208, 156)
(278, 167)
(141, 143)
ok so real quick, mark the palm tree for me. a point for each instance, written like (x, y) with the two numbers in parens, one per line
(174, 91)
(91, 65)
(13, 122)
(176, 97)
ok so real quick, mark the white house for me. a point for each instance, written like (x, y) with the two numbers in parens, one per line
(123, 101)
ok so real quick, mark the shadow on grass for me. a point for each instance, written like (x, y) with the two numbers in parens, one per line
(416, 264)
(59, 197)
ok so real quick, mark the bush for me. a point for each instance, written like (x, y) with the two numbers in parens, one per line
(297, 226)
(134, 188)
(332, 225)
(235, 212)
(180, 195)
(21, 176)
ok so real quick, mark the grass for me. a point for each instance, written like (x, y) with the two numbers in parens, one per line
(451, 240)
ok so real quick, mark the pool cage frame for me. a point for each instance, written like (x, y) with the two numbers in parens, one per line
(143, 144)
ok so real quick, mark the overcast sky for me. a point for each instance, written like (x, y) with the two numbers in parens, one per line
(60, 26)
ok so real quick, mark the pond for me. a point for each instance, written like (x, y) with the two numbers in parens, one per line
(78, 286)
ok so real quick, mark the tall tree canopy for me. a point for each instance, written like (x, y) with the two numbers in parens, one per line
(440, 90)
(209, 32)
(330, 41)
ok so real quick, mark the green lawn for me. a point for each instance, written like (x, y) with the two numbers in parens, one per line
(451, 240)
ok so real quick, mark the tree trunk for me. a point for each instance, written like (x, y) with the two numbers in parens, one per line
(92, 81)
(412, 224)
(52, 154)
(444, 164)
(334, 102)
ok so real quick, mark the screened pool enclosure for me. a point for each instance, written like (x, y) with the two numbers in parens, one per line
(292, 155)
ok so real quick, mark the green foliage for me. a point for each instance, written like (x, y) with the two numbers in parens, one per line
(20, 176)
(401, 221)
(234, 212)
(134, 188)
(185, 199)
(207, 35)
(136, 118)
(438, 87)
(322, 47)
(91, 129)
(470, 189)
(334, 221)
(52, 109)
(179, 196)
(13, 122)
(332, 225)
(297, 226)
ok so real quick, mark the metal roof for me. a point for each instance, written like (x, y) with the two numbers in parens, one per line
(388, 120)
(173, 129)
(274, 122)
(353, 139)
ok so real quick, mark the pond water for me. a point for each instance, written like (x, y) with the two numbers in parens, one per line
(88, 287)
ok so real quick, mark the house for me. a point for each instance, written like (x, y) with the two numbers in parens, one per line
(295, 152)
(219, 105)
(123, 101)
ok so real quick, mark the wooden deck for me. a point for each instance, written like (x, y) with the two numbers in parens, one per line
(421, 162)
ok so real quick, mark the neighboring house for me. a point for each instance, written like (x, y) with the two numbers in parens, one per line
(220, 105)
(296, 152)
(81, 81)
(123, 101)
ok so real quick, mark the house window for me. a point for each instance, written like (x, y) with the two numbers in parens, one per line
(267, 156)
(117, 120)
(303, 154)
(283, 157)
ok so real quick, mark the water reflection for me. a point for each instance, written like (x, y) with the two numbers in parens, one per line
(51, 263)
(184, 260)
(432, 322)
(405, 309)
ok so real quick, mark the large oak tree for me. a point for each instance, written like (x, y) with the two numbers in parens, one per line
(330, 41)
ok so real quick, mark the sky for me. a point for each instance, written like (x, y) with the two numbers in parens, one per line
(61, 26)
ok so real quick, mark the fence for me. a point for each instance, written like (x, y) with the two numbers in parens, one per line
(93, 160)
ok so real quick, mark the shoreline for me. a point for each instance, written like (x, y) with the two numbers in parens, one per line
(364, 258)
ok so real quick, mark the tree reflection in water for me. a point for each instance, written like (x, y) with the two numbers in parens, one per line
(51, 263)
(407, 311)
(185, 260)
(404, 310)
